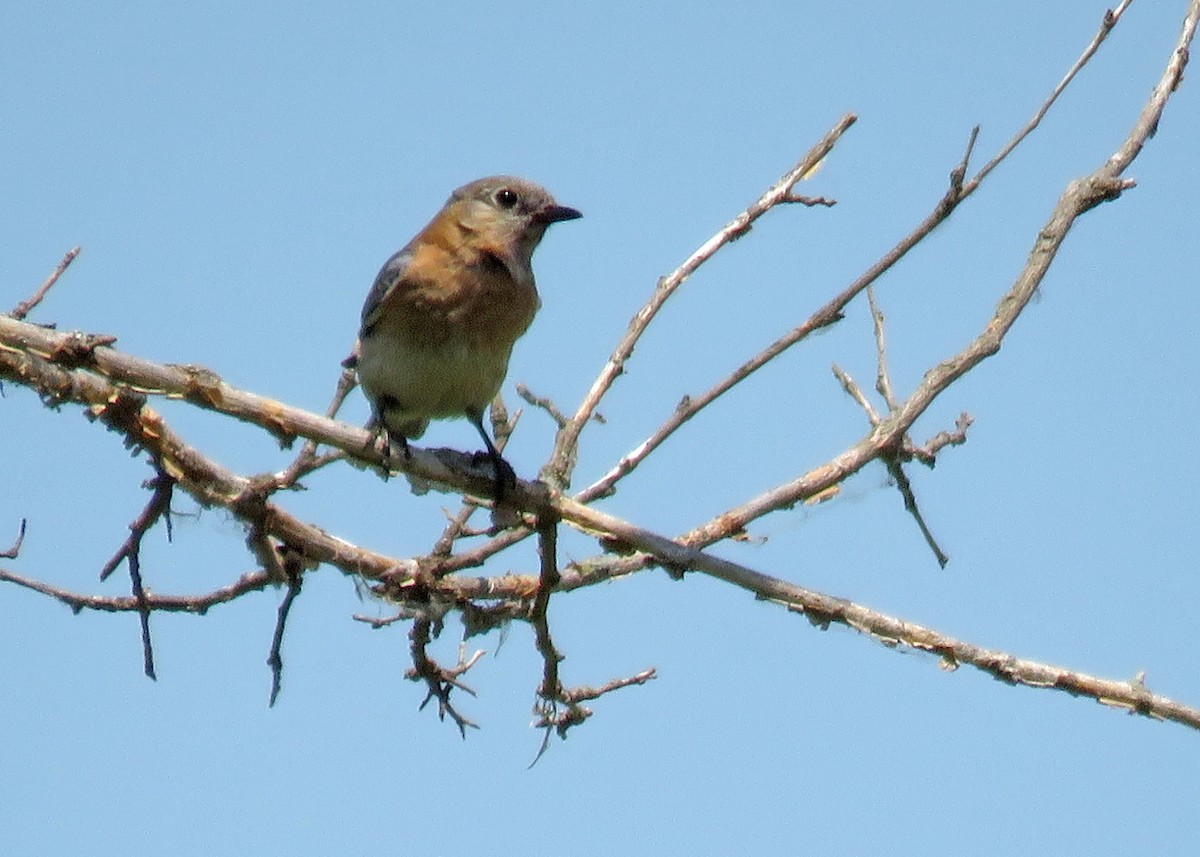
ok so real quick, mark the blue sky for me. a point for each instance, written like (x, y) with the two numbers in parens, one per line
(237, 174)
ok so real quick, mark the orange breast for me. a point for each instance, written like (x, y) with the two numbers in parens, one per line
(465, 294)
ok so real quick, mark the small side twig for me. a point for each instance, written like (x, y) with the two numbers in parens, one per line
(158, 506)
(883, 382)
(583, 693)
(810, 201)
(927, 452)
(1110, 19)
(307, 460)
(503, 425)
(196, 604)
(439, 680)
(550, 693)
(551, 688)
(883, 385)
(544, 403)
(15, 551)
(143, 608)
(377, 622)
(456, 528)
(295, 580)
(910, 504)
(855, 392)
(558, 722)
(26, 306)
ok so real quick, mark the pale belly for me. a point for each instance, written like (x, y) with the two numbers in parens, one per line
(423, 383)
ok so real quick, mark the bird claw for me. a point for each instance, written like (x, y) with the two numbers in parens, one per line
(385, 444)
(506, 477)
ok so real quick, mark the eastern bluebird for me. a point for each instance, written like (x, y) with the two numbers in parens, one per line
(440, 322)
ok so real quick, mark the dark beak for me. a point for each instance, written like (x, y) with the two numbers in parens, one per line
(555, 213)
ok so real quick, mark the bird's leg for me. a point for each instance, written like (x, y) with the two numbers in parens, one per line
(505, 475)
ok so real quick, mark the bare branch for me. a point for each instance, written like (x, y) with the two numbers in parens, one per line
(927, 454)
(584, 693)
(439, 680)
(883, 383)
(195, 604)
(809, 201)
(308, 460)
(855, 392)
(551, 689)
(143, 608)
(823, 610)
(158, 506)
(275, 658)
(543, 403)
(15, 551)
(910, 505)
(26, 306)
(204, 479)
(1111, 17)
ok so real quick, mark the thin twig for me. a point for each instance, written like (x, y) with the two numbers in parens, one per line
(143, 608)
(891, 460)
(855, 392)
(584, 693)
(15, 551)
(307, 460)
(927, 452)
(883, 383)
(377, 622)
(548, 579)
(503, 424)
(809, 201)
(441, 566)
(195, 604)
(1110, 19)
(910, 504)
(439, 681)
(158, 506)
(544, 403)
(456, 528)
(275, 658)
(550, 692)
(26, 306)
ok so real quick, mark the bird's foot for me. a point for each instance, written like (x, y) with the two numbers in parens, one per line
(386, 444)
(506, 477)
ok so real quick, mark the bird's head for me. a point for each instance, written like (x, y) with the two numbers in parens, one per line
(507, 214)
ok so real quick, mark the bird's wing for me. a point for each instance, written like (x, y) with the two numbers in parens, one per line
(390, 277)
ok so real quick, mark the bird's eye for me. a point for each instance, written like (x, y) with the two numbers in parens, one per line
(506, 197)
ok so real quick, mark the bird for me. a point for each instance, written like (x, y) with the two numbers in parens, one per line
(439, 324)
